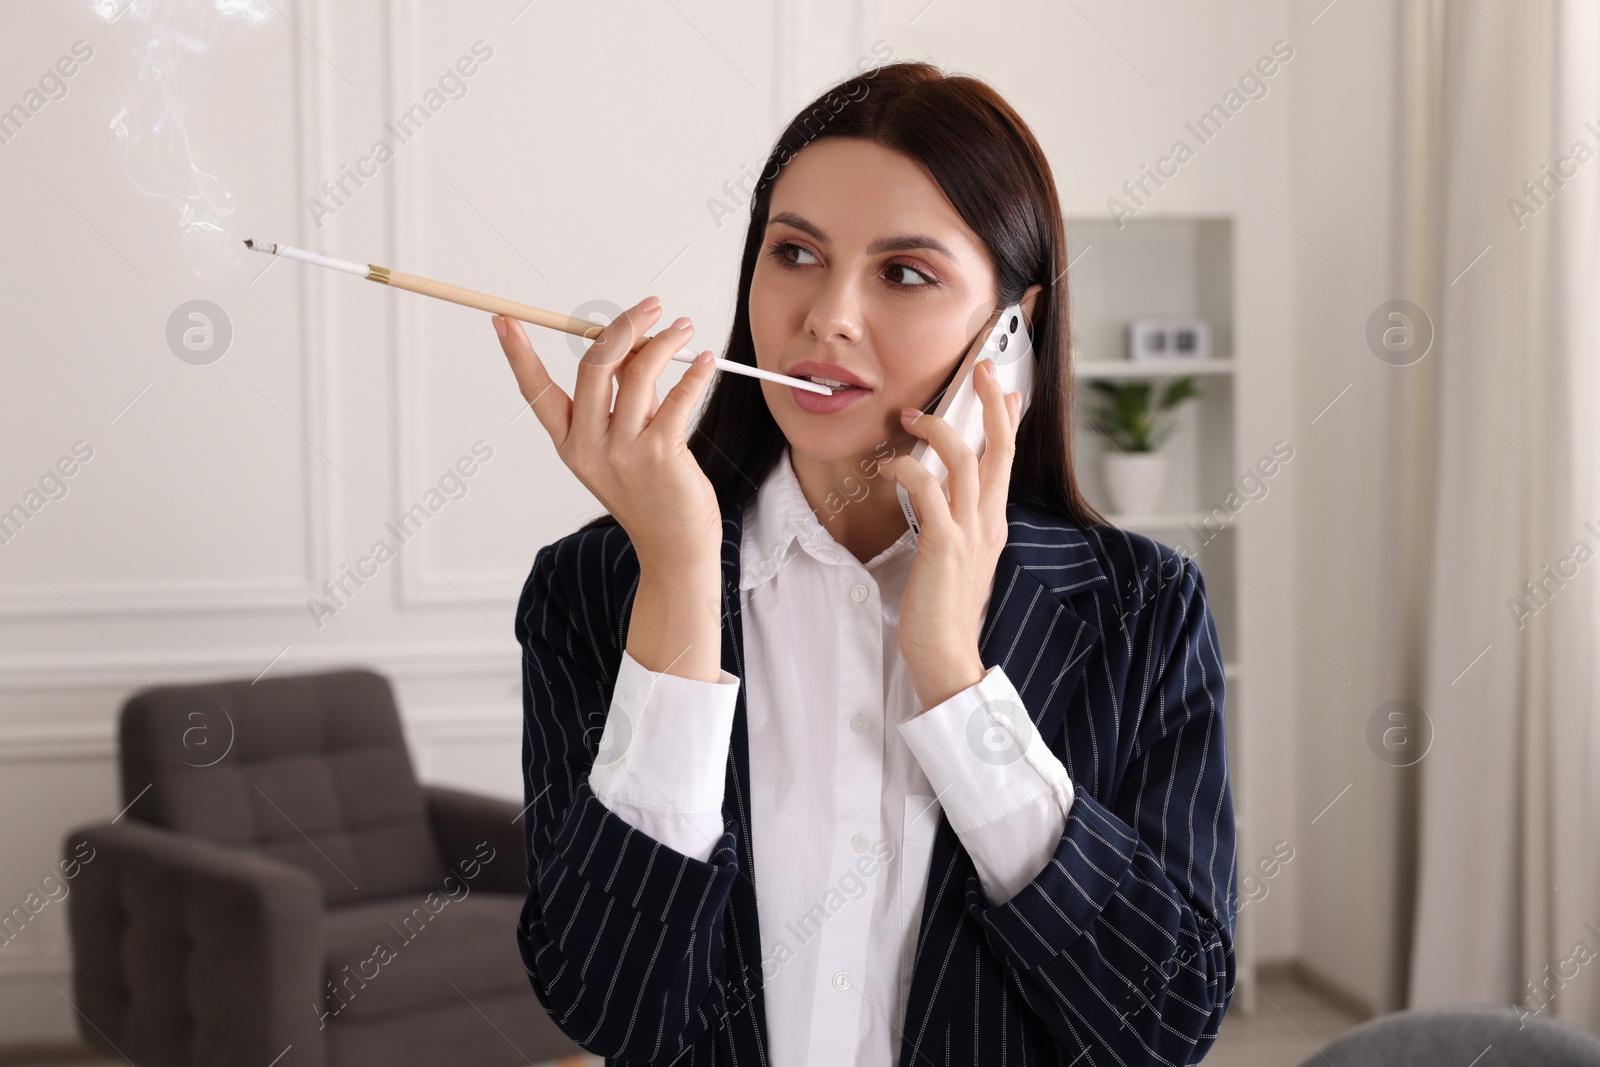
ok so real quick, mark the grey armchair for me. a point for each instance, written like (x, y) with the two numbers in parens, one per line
(1458, 1035)
(281, 880)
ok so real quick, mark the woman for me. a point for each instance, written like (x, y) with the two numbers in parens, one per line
(977, 776)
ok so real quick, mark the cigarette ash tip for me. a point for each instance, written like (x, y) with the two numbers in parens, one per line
(261, 246)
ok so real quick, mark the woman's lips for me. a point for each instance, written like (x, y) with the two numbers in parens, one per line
(818, 404)
(810, 368)
(843, 396)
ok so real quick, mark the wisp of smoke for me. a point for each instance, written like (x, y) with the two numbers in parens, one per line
(151, 123)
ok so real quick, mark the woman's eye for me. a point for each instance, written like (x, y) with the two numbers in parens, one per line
(924, 279)
(782, 249)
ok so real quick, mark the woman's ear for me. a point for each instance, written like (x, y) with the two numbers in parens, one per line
(1029, 299)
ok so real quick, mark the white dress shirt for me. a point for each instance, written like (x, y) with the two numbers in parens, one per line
(843, 809)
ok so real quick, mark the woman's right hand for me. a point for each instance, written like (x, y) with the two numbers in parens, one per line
(634, 458)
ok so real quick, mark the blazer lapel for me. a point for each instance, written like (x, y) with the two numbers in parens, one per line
(1043, 646)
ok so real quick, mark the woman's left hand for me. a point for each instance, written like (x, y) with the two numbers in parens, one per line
(960, 542)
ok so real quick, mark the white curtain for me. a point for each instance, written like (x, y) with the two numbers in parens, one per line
(1508, 810)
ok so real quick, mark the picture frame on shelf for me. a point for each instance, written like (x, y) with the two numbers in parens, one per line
(1153, 337)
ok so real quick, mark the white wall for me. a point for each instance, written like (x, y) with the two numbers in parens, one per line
(579, 165)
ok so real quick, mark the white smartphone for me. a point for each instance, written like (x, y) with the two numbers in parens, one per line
(1005, 339)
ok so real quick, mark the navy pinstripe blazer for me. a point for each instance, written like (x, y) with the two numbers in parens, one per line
(1119, 952)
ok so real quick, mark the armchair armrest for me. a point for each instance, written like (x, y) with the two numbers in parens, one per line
(189, 951)
(479, 838)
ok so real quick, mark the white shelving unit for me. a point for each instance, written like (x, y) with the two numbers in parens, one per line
(1176, 266)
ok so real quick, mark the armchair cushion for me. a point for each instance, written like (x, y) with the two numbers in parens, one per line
(399, 955)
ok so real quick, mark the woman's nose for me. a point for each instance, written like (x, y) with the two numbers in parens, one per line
(836, 314)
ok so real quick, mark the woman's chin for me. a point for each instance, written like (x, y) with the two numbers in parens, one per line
(837, 444)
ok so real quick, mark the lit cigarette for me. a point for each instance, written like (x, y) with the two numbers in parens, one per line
(507, 308)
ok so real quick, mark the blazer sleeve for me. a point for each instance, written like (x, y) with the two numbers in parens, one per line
(621, 935)
(1124, 941)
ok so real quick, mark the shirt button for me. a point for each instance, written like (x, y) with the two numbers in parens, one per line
(841, 980)
(859, 724)
(860, 842)
(858, 593)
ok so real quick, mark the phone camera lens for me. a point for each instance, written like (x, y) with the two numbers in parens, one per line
(1003, 339)
(1013, 324)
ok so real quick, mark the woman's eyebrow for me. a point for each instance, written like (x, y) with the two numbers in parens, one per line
(901, 243)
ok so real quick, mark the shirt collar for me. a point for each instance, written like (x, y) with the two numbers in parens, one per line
(780, 517)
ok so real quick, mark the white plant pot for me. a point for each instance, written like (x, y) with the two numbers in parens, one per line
(1136, 481)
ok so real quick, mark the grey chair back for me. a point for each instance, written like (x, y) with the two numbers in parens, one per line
(311, 769)
(1459, 1035)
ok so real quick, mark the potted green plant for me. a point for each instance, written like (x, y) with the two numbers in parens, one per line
(1135, 419)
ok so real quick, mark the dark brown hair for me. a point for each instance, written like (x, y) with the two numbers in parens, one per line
(988, 164)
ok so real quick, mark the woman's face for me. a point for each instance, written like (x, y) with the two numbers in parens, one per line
(866, 273)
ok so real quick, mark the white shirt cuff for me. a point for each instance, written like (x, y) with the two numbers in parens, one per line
(663, 755)
(1006, 794)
